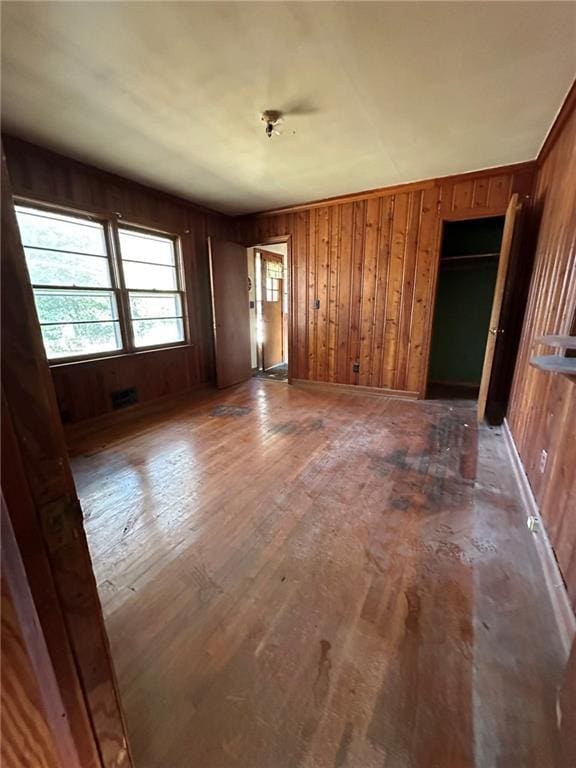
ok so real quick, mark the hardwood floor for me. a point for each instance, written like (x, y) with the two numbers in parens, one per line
(301, 579)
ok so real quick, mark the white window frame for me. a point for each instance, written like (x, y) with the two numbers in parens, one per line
(111, 226)
(125, 291)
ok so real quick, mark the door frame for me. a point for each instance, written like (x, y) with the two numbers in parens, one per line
(276, 240)
(261, 345)
(466, 215)
(45, 513)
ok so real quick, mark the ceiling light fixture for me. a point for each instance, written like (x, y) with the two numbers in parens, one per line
(272, 118)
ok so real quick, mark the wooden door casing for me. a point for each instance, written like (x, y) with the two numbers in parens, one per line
(30, 690)
(272, 312)
(230, 312)
(494, 330)
(45, 513)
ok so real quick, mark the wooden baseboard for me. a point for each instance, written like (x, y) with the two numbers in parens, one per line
(355, 389)
(562, 607)
(466, 384)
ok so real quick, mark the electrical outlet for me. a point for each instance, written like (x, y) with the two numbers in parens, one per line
(532, 523)
(543, 460)
(355, 367)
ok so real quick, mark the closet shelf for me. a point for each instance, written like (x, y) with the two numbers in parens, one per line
(558, 342)
(555, 364)
(446, 259)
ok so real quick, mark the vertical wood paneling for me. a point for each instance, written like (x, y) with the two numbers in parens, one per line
(311, 294)
(395, 289)
(386, 219)
(368, 289)
(372, 262)
(407, 293)
(462, 195)
(344, 293)
(83, 389)
(334, 277)
(357, 269)
(542, 415)
(480, 193)
(300, 310)
(47, 498)
(427, 259)
(322, 275)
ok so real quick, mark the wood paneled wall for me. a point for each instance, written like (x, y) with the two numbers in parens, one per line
(83, 389)
(371, 260)
(45, 514)
(542, 412)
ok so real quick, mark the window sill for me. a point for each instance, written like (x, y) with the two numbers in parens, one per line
(117, 355)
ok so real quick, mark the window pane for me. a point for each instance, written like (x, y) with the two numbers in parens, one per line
(67, 233)
(75, 306)
(70, 340)
(53, 268)
(149, 276)
(274, 269)
(139, 246)
(148, 333)
(144, 305)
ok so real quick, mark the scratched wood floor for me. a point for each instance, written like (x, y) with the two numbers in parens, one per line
(301, 579)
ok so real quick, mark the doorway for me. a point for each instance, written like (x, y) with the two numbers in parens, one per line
(468, 270)
(269, 310)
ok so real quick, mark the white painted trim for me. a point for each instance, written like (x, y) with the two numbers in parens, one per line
(561, 605)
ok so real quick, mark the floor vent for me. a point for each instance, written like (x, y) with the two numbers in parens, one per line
(122, 398)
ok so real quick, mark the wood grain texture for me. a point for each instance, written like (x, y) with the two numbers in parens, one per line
(83, 388)
(54, 511)
(231, 312)
(297, 578)
(510, 239)
(542, 415)
(567, 709)
(32, 550)
(35, 731)
(372, 260)
(27, 741)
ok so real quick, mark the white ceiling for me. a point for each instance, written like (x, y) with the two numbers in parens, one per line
(170, 93)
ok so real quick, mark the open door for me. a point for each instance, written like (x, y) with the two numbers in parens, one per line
(495, 330)
(271, 265)
(230, 312)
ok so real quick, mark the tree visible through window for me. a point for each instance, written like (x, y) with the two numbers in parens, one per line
(151, 278)
(69, 268)
(78, 288)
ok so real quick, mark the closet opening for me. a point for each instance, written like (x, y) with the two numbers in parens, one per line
(467, 277)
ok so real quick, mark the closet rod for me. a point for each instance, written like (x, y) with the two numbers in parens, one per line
(469, 256)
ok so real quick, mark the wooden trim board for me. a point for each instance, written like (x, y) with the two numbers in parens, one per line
(408, 186)
(562, 608)
(355, 389)
(287, 240)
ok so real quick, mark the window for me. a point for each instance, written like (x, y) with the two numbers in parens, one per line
(88, 304)
(272, 289)
(70, 270)
(151, 279)
(273, 278)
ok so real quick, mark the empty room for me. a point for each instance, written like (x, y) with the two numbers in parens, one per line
(288, 345)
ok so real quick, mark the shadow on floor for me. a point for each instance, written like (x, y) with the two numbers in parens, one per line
(451, 392)
(277, 373)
